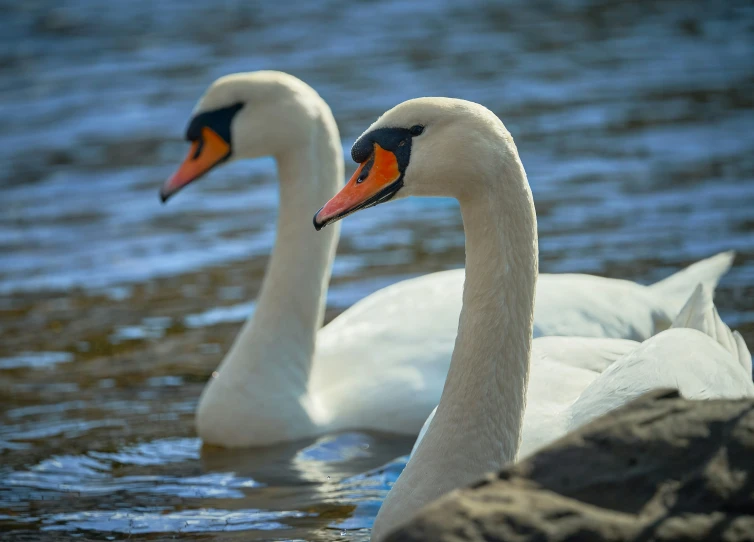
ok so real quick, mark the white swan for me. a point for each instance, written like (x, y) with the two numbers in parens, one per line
(381, 364)
(447, 147)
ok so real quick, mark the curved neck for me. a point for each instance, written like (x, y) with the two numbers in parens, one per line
(485, 393)
(477, 425)
(277, 343)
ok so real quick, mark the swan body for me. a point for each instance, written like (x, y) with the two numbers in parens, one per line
(381, 364)
(446, 147)
(561, 397)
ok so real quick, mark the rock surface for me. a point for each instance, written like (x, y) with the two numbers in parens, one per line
(660, 468)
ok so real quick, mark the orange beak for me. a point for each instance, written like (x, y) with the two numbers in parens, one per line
(204, 154)
(375, 181)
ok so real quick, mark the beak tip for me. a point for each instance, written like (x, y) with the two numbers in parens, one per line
(317, 225)
(164, 196)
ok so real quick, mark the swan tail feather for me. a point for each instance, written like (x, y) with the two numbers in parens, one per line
(700, 313)
(676, 288)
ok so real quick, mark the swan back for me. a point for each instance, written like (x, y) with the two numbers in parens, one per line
(674, 290)
(700, 313)
(699, 356)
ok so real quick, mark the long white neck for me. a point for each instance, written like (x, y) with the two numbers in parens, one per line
(258, 394)
(477, 426)
(279, 340)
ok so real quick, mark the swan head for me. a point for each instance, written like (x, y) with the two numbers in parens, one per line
(246, 115)
(435, 147)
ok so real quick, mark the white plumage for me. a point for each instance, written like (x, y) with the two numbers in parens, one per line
(382, 363)
(503, 396)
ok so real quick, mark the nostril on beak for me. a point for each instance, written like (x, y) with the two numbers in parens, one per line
(365, 171)
(199, 146)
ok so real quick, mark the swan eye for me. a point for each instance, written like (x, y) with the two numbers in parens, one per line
(416, 130)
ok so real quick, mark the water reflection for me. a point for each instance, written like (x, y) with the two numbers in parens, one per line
(325, 482)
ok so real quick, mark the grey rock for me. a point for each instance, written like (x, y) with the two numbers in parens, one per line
(660, 468)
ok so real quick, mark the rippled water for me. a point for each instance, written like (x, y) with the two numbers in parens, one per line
(634, 122)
